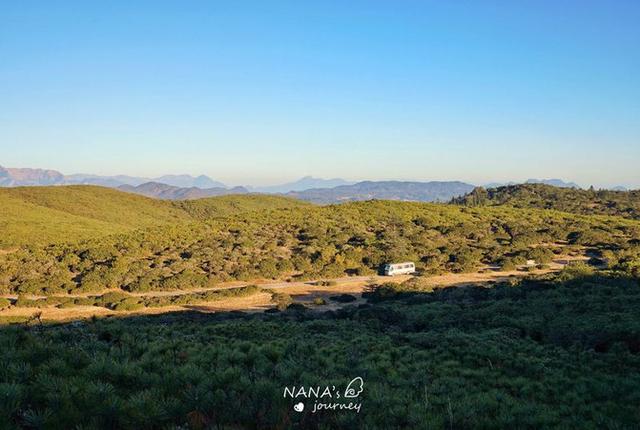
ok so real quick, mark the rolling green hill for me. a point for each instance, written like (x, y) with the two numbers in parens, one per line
(42, 215)
(589, 202)
(232, 204)
(30, 215)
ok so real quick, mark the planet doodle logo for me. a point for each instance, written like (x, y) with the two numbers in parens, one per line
(329, 397)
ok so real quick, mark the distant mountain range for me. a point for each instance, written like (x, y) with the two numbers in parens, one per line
(11, 177)
(308, 188)
(169, 192)
(386, 190)
(201, 181)
(104, 181)
(619, 188)
(306, 183)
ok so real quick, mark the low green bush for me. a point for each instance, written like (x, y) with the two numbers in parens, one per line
(319, 301)
(343, 298)
(129, 304)
(4, 303)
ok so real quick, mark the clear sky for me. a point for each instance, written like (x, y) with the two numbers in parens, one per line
(267, 91)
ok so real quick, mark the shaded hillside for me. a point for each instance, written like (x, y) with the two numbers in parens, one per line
(558, 354)
(168, 192)
(425, 354)
(599, 202)
(386, 190)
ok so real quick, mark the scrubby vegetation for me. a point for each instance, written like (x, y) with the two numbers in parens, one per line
(307, 242)
(603, 202)
(120, 301)
(553, 351)
(537, 355)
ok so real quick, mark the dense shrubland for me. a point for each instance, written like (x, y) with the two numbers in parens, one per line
(602, 202)
(553, 351)
(547, 353)
(312, 242)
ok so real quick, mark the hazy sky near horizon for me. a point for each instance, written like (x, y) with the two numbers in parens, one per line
(264, 92)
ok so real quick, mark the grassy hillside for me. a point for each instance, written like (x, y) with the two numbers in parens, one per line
(23, 223)
(603, 202)
(233, 204)
(30, 215)
(42, 215)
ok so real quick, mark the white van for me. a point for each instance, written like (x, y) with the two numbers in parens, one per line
(399, 269)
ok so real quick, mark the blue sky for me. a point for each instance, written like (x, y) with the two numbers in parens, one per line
(267, 91)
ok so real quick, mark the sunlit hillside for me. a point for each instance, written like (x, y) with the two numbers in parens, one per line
(604, 202)
(41, 215)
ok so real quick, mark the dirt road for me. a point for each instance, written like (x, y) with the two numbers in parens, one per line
(300, 291)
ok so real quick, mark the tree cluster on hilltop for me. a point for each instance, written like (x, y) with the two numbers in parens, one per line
(588, 202)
